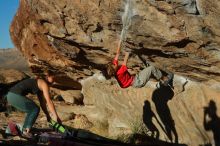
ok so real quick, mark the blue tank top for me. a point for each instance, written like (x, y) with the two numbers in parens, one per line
(26, 86)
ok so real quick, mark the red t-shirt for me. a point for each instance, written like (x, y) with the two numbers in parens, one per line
(123, 76)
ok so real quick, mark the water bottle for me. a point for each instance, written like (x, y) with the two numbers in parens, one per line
(56, 126)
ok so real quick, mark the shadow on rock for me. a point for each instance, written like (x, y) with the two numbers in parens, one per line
(160, 97)
(214, 123)
(81, 137)
(148, 116)
(145, 140)
(66, 83)
(87, 138)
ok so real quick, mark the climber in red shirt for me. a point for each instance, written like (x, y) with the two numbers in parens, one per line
(125, 79)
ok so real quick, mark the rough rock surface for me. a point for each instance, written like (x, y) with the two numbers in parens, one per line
(76, 38)
(163, 113)
(72, 96)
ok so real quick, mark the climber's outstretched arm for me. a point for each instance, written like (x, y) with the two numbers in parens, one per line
(118, 50)
(126, 58)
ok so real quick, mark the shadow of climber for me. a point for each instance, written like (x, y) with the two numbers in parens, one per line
(214, 123)
(160, 97)
(148, 116)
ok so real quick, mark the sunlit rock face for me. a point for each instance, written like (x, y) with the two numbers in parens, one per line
(181, 115)
(78, 37)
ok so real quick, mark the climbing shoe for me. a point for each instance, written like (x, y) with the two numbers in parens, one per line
(169, 80)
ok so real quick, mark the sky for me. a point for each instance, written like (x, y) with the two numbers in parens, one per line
(8, 9)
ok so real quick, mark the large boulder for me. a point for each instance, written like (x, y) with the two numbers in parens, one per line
(77, 37)
(173, 115)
